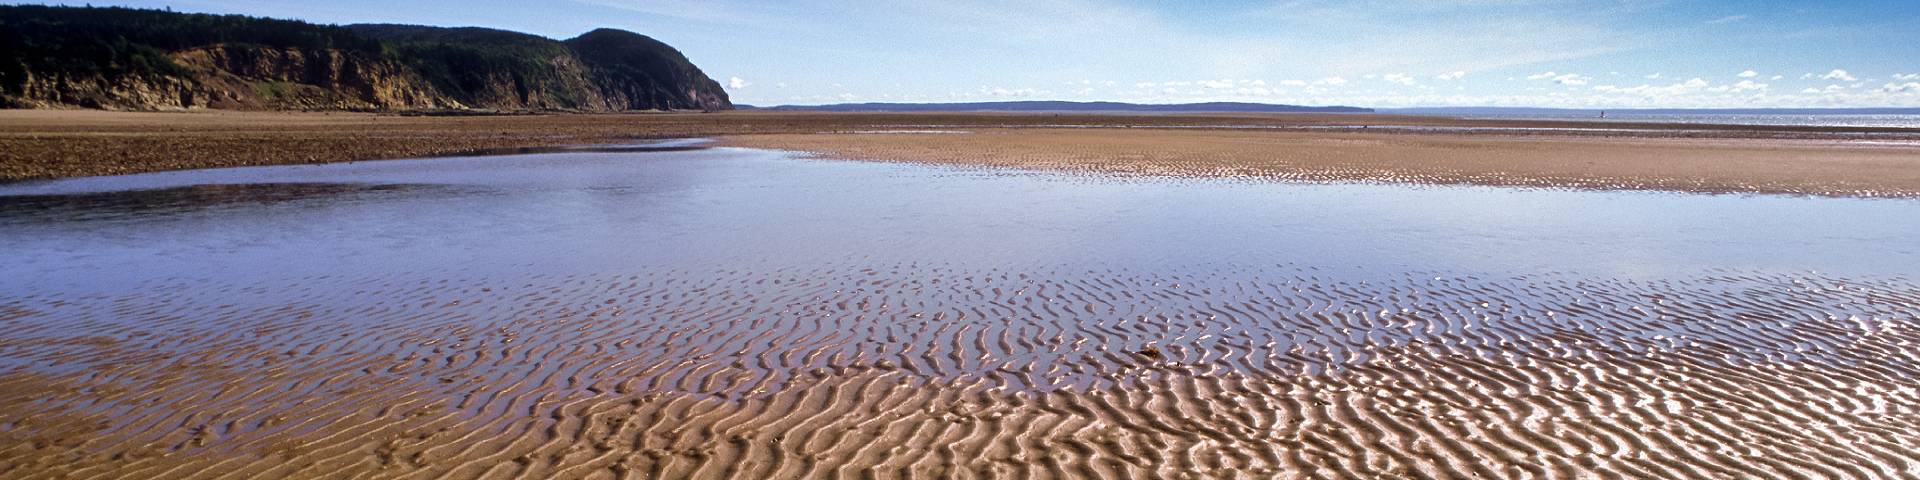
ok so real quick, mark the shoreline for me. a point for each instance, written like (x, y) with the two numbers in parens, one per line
(1809, 160)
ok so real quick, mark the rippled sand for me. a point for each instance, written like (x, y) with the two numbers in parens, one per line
(1502, 157)
(940, 371)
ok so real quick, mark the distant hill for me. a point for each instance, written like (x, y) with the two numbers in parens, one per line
(121, 58)
(1056, 106)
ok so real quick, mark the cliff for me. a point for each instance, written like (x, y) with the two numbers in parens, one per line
(130, 59)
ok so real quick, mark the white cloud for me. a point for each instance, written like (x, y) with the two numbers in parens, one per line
(737, 83)
(1570, 79)
(1455, 75)
(1906, 76)
(1293, 83)
(1217, 84)
(1778, 77)
(1657, 92)
(1749, 74)
(1838, 74)
(1726, 19)
(1655, 76)
(1334, 81)
(1399, 78)
(1743, 86)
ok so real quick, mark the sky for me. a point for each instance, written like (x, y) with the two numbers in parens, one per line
(1371, 53)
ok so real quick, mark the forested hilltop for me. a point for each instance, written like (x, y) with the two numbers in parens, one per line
(135, 59)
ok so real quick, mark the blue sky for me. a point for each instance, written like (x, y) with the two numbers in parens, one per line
(1550, 53)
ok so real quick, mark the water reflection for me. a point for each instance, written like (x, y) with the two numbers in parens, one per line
(586, 212)
(170, 201)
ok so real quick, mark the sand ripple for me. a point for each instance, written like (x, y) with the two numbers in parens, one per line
(942, 371)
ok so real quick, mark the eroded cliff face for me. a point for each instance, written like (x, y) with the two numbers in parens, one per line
(96, 91)
(257, 78)
(254, 78)
(562, 84)
(244, 78)
(127, 59)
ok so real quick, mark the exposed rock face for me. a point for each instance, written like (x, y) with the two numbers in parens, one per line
(262, 78)
(153, 62)
(59, 90)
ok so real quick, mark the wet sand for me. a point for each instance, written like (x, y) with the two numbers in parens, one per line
(38, 144)
(941, 371)
(731, 313)
(1318, 147)
(1834, 167)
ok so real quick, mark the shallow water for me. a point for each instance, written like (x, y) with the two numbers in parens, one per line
(680, 312)
(734, 208)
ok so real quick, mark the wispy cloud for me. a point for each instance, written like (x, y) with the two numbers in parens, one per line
(1727, 19)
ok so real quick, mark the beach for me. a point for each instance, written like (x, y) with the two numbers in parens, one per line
(726, 312)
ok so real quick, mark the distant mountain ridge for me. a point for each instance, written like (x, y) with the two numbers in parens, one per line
(1061, 106)
(121, 58)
